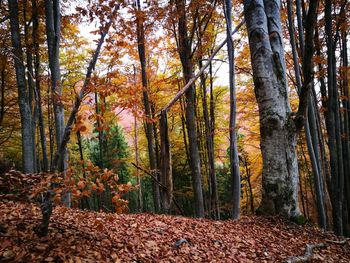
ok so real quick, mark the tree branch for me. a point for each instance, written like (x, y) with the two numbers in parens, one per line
(200, 72)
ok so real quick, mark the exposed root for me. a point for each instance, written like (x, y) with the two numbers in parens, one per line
(308, 253)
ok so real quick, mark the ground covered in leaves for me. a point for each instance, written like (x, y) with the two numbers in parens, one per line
(81, 236)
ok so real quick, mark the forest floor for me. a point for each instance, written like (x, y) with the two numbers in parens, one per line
(81, 236)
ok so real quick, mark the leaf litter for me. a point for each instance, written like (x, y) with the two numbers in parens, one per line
(84, 236)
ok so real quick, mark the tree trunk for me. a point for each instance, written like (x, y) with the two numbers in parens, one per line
(100, 132)
(2, 98)
(214, 198)
(277, 128)
(37, 84)
(147, 105)
(187, 66)
(345, 139)
(139, 181)
(234, 162)
(53, 32)
(333, 127)
(310, 123)
(23, 96)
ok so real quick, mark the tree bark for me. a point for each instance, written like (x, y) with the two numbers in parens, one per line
(23, 96)
(37, 84)
(187, 66)
(147, 105)
(311, 133)
(333, 123)
(214, 198)
(345, 139)
(53, 32)
(277, 127)
(2, 98)
(138, 176)
(234, 162)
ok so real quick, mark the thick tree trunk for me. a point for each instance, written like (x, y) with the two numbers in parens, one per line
(187, 66)
(147, 105)
(277, 127)
(23, 96)
(234, 162)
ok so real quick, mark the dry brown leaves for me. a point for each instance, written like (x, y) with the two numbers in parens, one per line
(81, 236)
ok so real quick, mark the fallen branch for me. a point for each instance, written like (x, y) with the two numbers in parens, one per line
(161, 185)
(308, 253)
(338, 242)
(200, 72)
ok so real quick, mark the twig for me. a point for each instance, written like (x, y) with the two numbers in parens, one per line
(308, 253)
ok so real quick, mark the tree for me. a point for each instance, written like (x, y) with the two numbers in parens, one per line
(146, 102)
(279, 126)
(116, 152)
(234, 162)
(53, 33)
(185, 52)
(28, 149)
(312, 125)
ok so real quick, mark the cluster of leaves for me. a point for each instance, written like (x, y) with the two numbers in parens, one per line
(81, 236)
(15, 185)
(95, 180)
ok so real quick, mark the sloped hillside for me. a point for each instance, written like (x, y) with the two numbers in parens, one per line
(81, 236)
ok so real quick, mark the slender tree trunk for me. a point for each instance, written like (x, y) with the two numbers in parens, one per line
(300, 27)
(183, 126)
(30, 82)
(187, 66)
(333, 123)
(23, 96)
(100, 132)
(324, 102)
(81, 153)
(214, 198)
(139, 181)
(37, 84)
(250, 188)
(310, 123)
(147, 105)
(2, 98)
(234, 162)
(302, 194)
(53, 32)
(346, 131)
(50, 126)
